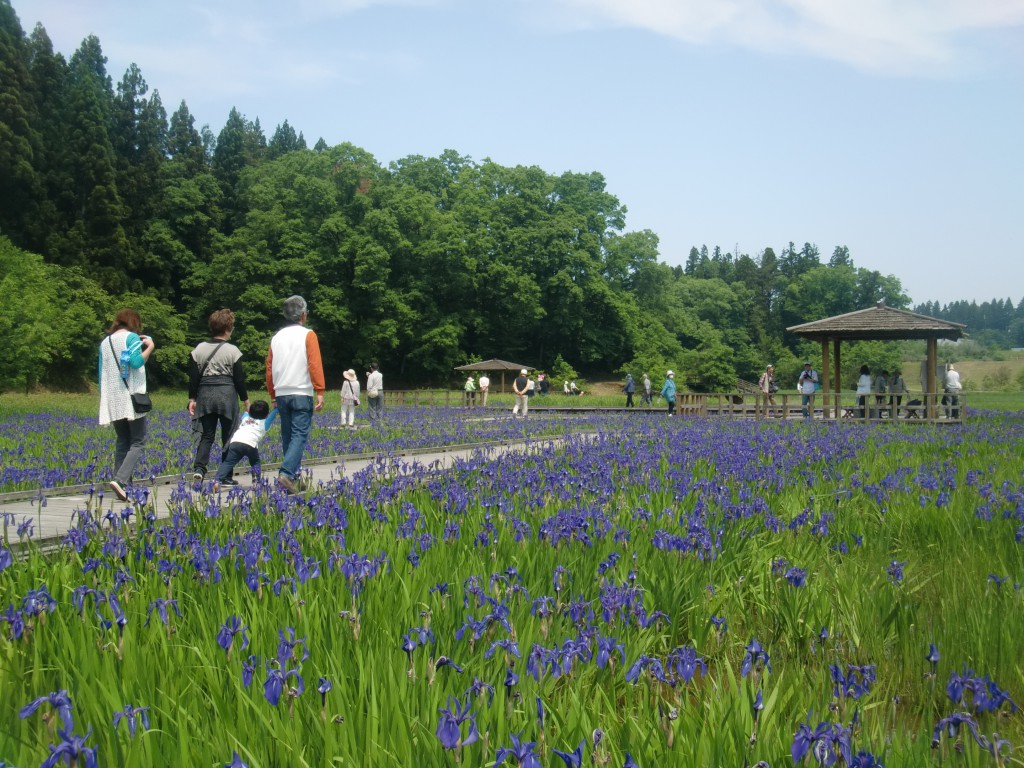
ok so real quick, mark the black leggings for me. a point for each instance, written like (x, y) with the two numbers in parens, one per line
(209, 423)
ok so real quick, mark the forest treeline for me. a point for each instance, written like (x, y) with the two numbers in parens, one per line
(422, 265)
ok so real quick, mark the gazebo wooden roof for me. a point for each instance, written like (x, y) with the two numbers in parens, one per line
(494, 364)
(879, 323)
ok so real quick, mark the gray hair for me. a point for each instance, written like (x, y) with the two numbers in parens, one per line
(294, 308)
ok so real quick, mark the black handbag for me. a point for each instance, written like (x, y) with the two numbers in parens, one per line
(141, 402)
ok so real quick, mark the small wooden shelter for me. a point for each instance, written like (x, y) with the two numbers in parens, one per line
(494, 364)
(878, 323)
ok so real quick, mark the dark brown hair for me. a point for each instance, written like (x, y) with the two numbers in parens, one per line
(126, 318)
(222, 321)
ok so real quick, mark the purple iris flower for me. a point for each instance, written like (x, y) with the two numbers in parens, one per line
(249, 669)
(629, 762)
(6, 559)
(572, 759)
(273, 687)
(866, 760)
(449, 727)
(755, 655)
(444, 661)
(132, 716)
(895, 571)
(796, 577)
(826, 743)
(511, 680)
(72, 750)
(950, 726)
(606, 646)
(478, 688)
(160, 605)
(509, 646)
(520, 751)
(236, 761)
(59, 701)
(933, 657)
(287, 645)
(323, 689)
(231, 628)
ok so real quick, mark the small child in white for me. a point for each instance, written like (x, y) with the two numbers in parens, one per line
(245, 442)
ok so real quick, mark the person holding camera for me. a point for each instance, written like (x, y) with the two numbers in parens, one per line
(123, 354)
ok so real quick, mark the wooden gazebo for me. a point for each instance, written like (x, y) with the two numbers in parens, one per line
(878, 323)
(494, 364)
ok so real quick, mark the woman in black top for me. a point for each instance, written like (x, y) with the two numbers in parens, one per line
(216, 382)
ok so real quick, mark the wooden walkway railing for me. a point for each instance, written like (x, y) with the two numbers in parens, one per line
(936, 407)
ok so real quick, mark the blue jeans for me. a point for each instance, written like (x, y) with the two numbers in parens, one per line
(234, 454)
(807, 401)
(296, 414)
(131, 438)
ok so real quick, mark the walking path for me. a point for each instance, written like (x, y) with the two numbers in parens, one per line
(53, 511)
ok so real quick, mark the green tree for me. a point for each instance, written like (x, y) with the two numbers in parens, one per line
(20, 141)
(51, 331)
(95, 239)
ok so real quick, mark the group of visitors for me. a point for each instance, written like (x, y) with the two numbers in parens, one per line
(878, 386)
(482, 387)
(294, 378)
(887, 389)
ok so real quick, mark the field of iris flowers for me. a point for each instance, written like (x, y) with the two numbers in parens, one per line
(654, 592)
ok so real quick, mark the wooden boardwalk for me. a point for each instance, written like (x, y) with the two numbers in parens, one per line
(54, 511)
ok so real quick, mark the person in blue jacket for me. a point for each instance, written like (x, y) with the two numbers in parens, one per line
(668, 391)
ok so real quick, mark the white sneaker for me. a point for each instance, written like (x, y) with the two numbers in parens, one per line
(118, 490)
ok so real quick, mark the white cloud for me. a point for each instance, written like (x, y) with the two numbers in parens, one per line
(901, 36)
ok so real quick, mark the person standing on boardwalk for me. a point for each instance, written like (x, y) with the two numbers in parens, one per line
(629, 389)
(485, 387)
(668, 391)
(295, 375)
(123, 354)
(768, 387)
(863, 389)
(216, 382)
(951, 386)
(808, 384)
(897, 388)
(648, 396)
(375, 392)
(519, 389)
(349, 398)
(470, 389)
(879, 386)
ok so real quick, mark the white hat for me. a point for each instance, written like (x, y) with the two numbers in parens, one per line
(670, 374)
(350, 374)
(522, 372)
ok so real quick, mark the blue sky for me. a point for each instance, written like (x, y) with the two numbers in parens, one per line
(893, 127)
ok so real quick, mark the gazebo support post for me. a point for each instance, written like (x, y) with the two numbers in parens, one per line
(837, 362)
(826, 388)
(931, 406)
